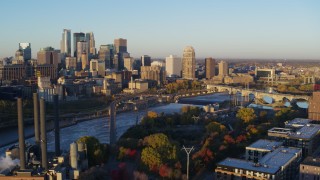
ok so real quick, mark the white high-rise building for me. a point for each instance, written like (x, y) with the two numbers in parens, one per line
(173, 66)
(188, 63)
(91, 43)
(65, 44)
(223, 68)
(82, 46)
(128, 63)
(158, 63)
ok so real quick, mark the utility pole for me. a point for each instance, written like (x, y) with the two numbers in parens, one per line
(188, 151)
(195, 119)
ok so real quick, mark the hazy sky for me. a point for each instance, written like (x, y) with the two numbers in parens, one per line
(222, 29)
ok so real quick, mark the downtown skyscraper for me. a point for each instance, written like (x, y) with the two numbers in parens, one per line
(91, 43)
(25, 48)
(188, 63)
(173, 66)
(65, 43)
(210, 67)
(120, 46)
(145, 60)
(77, 37)
(82, 54)
(223, 68)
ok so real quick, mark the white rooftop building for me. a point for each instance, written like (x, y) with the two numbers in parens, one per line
(173, 66)
(258, 149)
(281, 163)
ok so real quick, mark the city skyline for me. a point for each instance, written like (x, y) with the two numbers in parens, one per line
(247, 29)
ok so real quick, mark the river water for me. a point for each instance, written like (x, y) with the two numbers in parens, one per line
(99, 127)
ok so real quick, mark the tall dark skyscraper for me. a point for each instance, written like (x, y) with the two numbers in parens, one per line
(26, 50)
(105, 55)
(145, 60)
(77, 37)
(120, 45)
(65, 44)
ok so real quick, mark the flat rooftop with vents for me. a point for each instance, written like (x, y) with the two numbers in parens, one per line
(271, 163)
(264, 145)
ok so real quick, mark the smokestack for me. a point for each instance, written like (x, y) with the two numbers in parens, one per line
(74, 155)
(56, 124)
(44, 160)
(112, 123)
(36, 118)
(131, 83)
(21, 136)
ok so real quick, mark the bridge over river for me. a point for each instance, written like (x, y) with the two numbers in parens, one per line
(256, 93)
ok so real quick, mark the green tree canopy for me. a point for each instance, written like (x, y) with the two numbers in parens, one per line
(283, 115)
(246, 115)
(158, 150)
(151, 157)
(216, 127)
(157, 140)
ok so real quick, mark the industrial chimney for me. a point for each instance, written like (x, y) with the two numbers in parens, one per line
(112, 123)
(56, 124)
(36, 118)
(21, 135)
(74, 155)
(44, 160)
(131, 84)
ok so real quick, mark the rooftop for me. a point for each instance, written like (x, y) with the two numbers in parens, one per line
(311, 161)
(297, 122)
(270, 163)
(283, 131)
(306, 132)
(298, 128)
(264, 144)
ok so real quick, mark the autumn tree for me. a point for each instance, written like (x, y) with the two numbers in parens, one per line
(202, 158)
(215, 127)
(158, 150)
(184, 84)
(263, 115)
(305, 87)
(283, 115)
(282, 88)
(247, 115)
(151, 157)
(196, 85)
(172, 88)
(152, 114)
(292, 89)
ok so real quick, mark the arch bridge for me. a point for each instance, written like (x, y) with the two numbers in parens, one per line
(257, 94)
